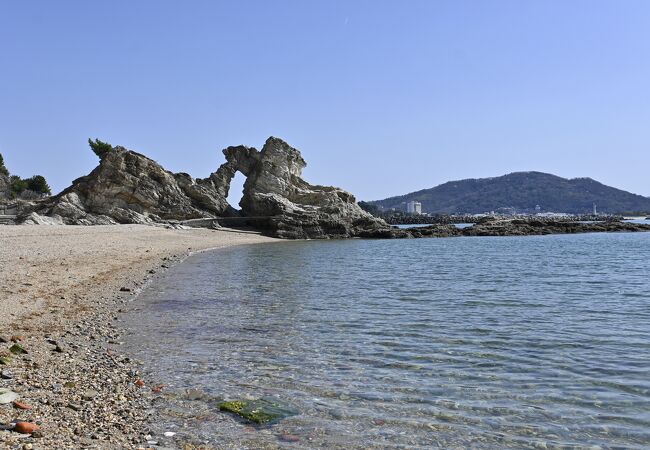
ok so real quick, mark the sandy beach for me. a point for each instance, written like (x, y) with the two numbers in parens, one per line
(60, 290)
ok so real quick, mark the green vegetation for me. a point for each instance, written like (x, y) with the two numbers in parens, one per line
(17, 186)
(36, 184)
(369, 208)
(521, 192)
(3, 169)
(100, 148)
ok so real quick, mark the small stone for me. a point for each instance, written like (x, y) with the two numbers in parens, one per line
(3, 340)
(69, 384)
(139, 383)
(28, 446)
(289, 438)
(17, 338)
(7, 396)
(89, 394)
(4, 360)
(26, 427)
(6, 375)
(17, 349)
(169, 434)
(125, 289)
(74, 406)
(20, 405)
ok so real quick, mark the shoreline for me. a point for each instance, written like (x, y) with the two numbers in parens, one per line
(62, 288)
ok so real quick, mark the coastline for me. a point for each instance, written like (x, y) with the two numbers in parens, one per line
(61, 288)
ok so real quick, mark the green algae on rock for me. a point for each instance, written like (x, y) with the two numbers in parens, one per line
(257, 411)
(17, 349)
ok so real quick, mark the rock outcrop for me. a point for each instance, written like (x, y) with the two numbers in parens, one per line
(287, 205)
(520, 227)
(128, 187)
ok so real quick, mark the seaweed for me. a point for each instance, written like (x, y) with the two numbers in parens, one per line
(257, 411)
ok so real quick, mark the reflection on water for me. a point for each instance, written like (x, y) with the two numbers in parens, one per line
(515, 342)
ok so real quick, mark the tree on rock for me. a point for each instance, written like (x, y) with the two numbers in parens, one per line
(18, 185)
(100, 148)
(38, 184)
(3, 169)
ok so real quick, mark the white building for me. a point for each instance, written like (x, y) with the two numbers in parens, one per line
(414, 207)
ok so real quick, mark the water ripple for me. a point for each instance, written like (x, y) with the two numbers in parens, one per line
(536, 342)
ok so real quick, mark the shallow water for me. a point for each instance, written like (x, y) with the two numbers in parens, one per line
(506, 342)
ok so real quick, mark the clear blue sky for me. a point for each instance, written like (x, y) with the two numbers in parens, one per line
(381, 97)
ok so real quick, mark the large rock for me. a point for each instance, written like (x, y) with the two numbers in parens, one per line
(286, 204)
(128, 187)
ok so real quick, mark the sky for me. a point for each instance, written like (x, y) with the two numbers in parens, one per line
(381, 97)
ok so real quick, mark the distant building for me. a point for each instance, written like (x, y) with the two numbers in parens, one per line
(595, 212)
(414, 207)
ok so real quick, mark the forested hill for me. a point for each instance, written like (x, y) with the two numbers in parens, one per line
(522, 191)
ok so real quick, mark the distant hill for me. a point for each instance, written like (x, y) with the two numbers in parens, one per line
(522, 191)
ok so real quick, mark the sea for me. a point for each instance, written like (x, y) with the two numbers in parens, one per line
(539, 342)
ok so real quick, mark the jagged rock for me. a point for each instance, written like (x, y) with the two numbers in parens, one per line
(128, 187)
(36, 219)
(292, 207)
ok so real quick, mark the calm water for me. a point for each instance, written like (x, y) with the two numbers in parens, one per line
(521, 342)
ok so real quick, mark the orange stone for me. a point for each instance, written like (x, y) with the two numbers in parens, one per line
(16, 338)
(20, 405)
(139, 383)
(26, 427)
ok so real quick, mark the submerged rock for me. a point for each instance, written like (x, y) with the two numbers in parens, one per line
(257, 411)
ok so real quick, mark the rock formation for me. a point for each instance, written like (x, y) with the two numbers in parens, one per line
(521, 227)
(128, 187)
(293, 208)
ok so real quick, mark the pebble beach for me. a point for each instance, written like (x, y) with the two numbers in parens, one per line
(64, 381)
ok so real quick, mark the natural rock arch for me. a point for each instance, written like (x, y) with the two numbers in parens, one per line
(128, 187)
